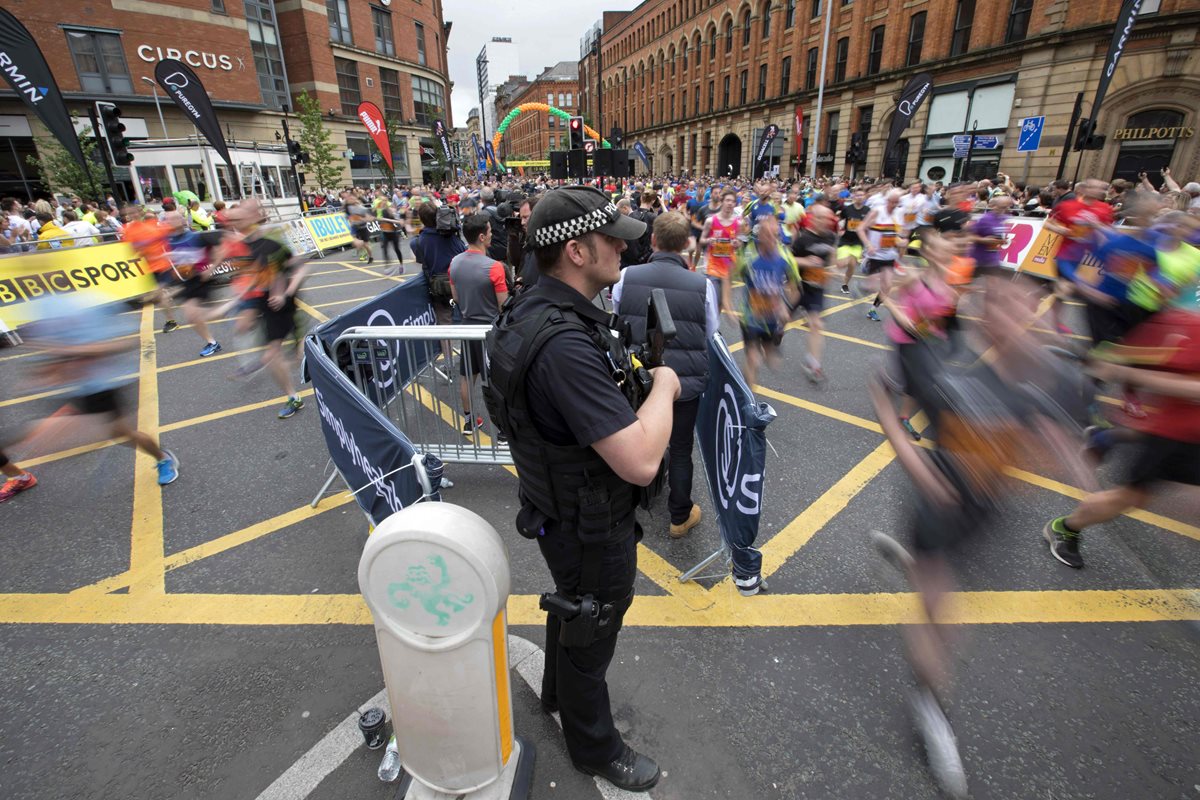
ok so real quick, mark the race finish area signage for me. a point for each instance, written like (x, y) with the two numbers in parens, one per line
(99, 274)
(329, 230)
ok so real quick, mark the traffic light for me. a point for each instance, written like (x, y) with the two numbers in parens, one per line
(575, 124)
(114, 133)
(1086, 138)
(297, 155)
(858, 148)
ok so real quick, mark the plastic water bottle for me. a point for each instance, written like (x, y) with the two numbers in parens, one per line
(389, 768)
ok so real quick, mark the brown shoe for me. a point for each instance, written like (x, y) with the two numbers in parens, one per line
(681, 530)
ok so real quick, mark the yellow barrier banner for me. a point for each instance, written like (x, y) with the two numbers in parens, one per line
(329, 230)
(99, 274)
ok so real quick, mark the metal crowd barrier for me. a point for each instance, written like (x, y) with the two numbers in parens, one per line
(413, 373)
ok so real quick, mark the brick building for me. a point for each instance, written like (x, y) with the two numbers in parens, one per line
(245, 52)
(533, 134)
(696, 81)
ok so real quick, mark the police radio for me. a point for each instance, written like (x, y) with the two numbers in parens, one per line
(641, 357)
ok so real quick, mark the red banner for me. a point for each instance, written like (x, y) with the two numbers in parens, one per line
(372, 120)
(799, 129)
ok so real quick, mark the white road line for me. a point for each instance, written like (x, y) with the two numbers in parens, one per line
(300, 779)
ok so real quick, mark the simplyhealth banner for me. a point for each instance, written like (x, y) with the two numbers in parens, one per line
(98, 274)
(405, 304)
(363, 444)
(731, 428)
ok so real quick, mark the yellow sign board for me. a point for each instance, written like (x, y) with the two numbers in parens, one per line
(527, 164)
(99, 274)
(329, 230)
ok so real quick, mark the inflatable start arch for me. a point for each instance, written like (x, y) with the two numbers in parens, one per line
(558, 112)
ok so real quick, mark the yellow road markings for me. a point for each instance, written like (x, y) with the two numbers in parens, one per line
(801, 324)
(729, 610)
(146, 545)
(228, 412)
(345, 302)
(360, 268)
(312, 312)
(222, 543)
(318, 287)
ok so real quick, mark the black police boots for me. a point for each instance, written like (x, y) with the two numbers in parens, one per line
(630, 771)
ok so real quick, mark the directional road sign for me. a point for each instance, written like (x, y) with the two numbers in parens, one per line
(1030, 138)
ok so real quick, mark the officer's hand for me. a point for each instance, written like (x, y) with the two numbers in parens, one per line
(665, 377)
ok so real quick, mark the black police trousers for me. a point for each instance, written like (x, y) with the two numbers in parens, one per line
(574, 678)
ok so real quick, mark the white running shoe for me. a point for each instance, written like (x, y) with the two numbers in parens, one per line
(941, 748)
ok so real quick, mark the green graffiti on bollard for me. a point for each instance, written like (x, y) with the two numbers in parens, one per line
(421, 587)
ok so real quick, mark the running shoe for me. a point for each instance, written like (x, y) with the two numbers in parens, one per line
(873, 315)
(1133, 408)
(14, 486)
(168, 468)
(210, 349)
(246, 371)
(471, 425)
(289, 409)
(1064, 330)
(913, 432)
(1064, 542)
(393, 270)
(941, 748)
(1097, 441)
(170, 326)
(845, 288)
(748, 587)
(814, 373)
(892, 551)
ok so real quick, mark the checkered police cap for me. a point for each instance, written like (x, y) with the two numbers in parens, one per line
(573, 211)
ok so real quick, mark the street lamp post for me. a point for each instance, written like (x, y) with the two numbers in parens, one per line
(157, 105)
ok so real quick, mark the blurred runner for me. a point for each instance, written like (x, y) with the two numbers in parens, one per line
(772, 283)
(850, 245)
(16, 480)
(720, 237)
(190, 254)
(149, 238)
(815, 251)
(883, 242)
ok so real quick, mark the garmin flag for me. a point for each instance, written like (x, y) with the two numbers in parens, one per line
(480, 155)
(491, 154)
(913, 94)
(184, 87)
(372, 120)
(1124, 29)
(26, 70)
(439, 133)
(731, 428)
(764, 144)
(640, 149)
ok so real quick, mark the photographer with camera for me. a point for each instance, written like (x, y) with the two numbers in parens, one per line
(693, 303)
(563, 388)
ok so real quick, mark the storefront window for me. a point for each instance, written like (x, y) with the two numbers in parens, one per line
(1148, 142)
(153, 181)
(225, 182)
(191, 176)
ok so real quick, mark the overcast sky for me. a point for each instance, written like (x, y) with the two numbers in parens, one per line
(545, 32)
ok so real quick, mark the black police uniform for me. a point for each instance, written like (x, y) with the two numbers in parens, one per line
(552, 389)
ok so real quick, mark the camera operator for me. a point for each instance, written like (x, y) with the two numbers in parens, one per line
(555, 387)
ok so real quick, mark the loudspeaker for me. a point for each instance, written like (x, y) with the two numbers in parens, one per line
(558, 165)
(602, 162)
(620, 163)
(576, 163)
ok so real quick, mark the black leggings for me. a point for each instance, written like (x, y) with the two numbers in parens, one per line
(392, 239)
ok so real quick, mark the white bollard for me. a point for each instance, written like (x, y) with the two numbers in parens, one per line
(436, 579)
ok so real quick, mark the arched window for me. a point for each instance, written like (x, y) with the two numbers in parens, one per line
(766, 18)
(746, 29)
(729, 35)
(671, 56)
(1147, 144)
(683, 51)
(712, 42)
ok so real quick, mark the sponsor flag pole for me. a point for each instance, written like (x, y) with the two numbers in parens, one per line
(821, 89)
(29, 76)
(911, 97)
(183, 86)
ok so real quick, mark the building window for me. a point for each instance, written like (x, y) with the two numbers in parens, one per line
(766, 17)
(570, 100)
(339, 21)
(831, 132)
(711, 91)
(840, 57)
(762, 82)
(865, 115)
(561, 98)
(683, 104)
(742, 87)
(789, 13)
(810, 78)
(550, 98)
(785, 76)
(100, 62)
(1018, 20)
(746, 29)
(875, 54)
(348, 91)
(421, 59)
(816, 8)
(389, 83)
(218, 6)
(684, 54)
(916, 37)
(696, 103)
(725, 93)
(268, 58)
(964, 16)
(673, 108)
(729, 35)
(428, 102)
(712, 43)
(385, 41)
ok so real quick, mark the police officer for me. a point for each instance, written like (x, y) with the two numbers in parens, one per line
(555, 388)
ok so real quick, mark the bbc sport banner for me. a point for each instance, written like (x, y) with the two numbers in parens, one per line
(328, 230)
(98, 274)
(731, 428)
(364, 445)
